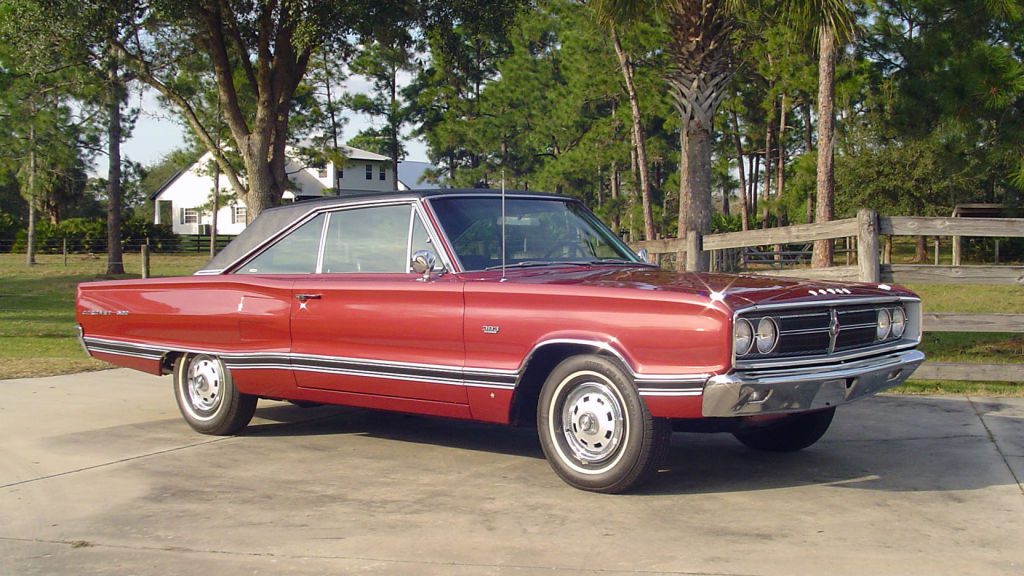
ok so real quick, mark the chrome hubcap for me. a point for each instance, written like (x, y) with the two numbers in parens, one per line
(204, 383)
(592, 422)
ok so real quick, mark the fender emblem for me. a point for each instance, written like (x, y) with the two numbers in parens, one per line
(491, 329)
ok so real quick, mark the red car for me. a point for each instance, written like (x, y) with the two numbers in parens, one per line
(520, 309)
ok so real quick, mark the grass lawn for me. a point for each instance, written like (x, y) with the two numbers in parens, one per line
(37, 319)
(37, 309)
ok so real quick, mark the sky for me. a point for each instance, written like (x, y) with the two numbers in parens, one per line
(158, 130)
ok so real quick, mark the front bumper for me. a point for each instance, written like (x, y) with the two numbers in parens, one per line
(756, 392)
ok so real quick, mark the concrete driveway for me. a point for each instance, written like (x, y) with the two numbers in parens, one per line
(99, 475)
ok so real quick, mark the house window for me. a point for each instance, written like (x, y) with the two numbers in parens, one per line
(189, 216)
(369, 171)
(383, 173)
(321, 172)
(238, 214)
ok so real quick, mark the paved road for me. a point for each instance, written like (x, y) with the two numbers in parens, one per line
(99, 475)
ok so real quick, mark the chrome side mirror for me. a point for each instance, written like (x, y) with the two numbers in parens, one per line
(644, 255)
(423, 262)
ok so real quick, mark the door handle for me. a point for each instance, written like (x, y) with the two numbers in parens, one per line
(304, 297)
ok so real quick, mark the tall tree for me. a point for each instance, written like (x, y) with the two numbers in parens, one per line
(260, 52)
(81, 36)
(381, 62)
(702, 61)
(831, 23)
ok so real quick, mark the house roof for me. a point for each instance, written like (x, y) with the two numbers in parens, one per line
(411, 172)
(349, 152)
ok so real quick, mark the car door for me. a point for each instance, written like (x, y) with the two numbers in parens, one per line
(366, 324)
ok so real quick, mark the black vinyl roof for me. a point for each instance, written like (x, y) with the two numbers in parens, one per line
(273, 220)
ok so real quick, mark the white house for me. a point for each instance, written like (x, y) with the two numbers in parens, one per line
(181, 199)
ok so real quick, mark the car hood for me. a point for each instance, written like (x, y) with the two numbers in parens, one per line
(736, 290)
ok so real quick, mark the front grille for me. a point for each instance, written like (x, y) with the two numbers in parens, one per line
(822, 330)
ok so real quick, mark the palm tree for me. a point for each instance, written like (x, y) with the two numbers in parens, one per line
(701, 63)
(701, 52)
(831, 22)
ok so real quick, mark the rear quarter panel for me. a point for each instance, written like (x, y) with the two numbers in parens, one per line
(222, 314)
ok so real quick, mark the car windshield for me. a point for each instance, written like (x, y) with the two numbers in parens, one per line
(538, 231)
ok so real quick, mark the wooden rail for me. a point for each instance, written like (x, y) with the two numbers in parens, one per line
(956, 322)
(969, 372)
(928, 274)
(867, 227)
(916, 226)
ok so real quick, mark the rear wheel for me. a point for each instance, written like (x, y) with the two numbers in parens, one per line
(208, 399)
(789, 435)
(595, 429)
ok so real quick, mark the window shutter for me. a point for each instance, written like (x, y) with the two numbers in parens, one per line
(181, 215)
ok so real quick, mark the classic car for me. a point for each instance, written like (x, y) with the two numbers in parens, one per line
(518, 308)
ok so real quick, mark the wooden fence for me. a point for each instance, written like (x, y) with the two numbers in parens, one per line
(867, 230)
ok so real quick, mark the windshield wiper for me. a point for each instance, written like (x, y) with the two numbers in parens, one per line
(533, 263)
(619, 261)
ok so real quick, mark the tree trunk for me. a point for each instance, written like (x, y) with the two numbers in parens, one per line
(115, 260)
(826, 130)
(614, 185)
(780, 166)
(638, 136)
(30, 248)
(394, 145)
(920, 250)
(744, 206)
(695, 182)
(768, 144)
(216, 209)
(808, 129)
(755, 169)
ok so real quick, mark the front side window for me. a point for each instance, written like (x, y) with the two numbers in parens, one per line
(383, 172)
(369, 171)
(536, 231)
(296, 253)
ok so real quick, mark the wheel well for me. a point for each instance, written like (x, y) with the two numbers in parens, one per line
(168, 360)
(524, 401)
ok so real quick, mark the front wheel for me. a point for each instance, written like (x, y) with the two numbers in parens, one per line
(208, 398)
(789, 435)
(594, 428)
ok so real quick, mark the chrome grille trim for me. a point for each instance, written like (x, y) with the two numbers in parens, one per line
(839, 342)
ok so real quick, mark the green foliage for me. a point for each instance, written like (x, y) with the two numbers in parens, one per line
(89, 234)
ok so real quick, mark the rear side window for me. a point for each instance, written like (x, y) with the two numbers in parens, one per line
(296, 253)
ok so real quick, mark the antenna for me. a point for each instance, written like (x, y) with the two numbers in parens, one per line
(503, 279)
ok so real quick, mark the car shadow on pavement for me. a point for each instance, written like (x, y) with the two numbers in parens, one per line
(896, 443)
(287, 420)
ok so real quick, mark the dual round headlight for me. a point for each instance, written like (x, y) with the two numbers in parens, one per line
(899, 322)
(890, 323)
(746, 338)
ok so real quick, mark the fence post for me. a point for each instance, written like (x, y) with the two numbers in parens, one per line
(145, 260)
(867, 245)
(64, 251)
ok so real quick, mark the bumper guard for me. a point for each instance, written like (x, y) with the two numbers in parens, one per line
(754, 392)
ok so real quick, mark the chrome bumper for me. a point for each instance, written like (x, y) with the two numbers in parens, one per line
(753, 392)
